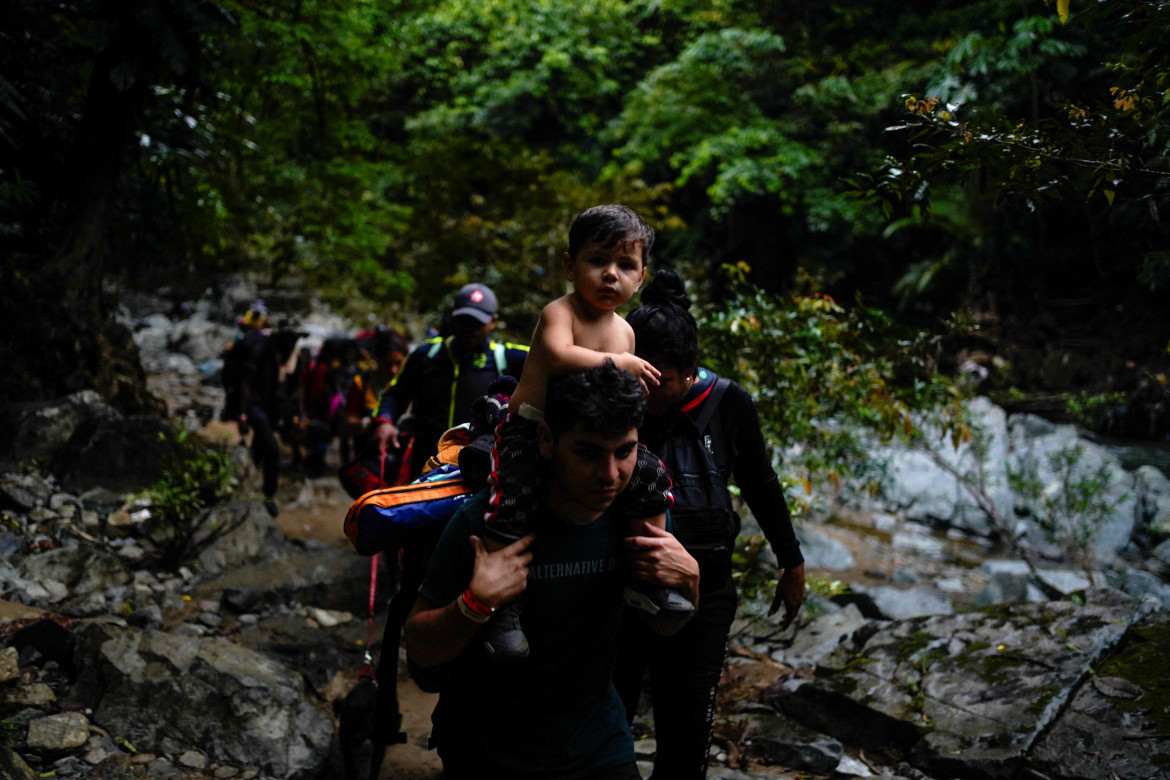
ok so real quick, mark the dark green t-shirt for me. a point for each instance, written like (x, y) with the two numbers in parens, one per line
(554, 713)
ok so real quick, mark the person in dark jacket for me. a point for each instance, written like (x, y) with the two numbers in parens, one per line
(443, 376)
(706, 430)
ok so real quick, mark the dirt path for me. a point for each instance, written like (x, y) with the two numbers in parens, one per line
(314, 509)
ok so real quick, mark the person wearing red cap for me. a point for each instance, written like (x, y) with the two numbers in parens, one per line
(443, 377)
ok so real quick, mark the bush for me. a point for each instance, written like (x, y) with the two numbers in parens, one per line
(184, 501)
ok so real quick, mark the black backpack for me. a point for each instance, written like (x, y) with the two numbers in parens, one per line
(702, 515)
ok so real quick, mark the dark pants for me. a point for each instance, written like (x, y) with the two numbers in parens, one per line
(265, 450)
(684, 679)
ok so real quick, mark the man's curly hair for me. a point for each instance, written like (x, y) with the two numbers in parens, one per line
(607, 400)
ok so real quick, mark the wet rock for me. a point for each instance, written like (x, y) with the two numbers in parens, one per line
(9, 664)
(167, 693)
(56, 733)
(779, 741)
(973, 691)
(22, 491)
(37, 695)
(925, 491)
(81, 571)
(1006, 587)
(1140, 585)
(255, 537)
(900, 604)
(821, 551)
(1153, 489)
(13, 767)
(1037, 456)
(1116, 726)
(821, 637)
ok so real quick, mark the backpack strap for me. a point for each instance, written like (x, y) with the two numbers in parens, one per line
(501, 354)
(711, 403)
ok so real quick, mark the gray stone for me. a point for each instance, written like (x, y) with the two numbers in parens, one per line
(851, 767)
(899, 604)
(1112, 727)
(822, 551)
(161, 690)
(977, 688)
(918, 544)
(776, 740)
(54, 733)
(23, 491)
(1006, 587)
(1034, 457)
(81, 571)
(35, 694)
(1140, 585)
(821, 636)
(192, 759)
(1153, 490)
(13, 767)
(928, 492)
(1162, 552)
(9, 664)
(994, 567)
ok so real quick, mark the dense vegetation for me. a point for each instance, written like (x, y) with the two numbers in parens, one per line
(997, 166)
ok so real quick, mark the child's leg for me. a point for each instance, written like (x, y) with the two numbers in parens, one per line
(512, 506)
(646, 500)
(513, 482)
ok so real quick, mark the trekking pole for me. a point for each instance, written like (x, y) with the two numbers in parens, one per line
(368, 660)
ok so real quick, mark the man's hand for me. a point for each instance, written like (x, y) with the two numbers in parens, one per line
(386, 435)
(657, 556)
(790, 593)
(642, 371)
(500, 576)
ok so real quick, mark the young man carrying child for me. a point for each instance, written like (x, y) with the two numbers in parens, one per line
(554, 714)
(606, 264)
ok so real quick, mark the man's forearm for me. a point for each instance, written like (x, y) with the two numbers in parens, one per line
(436, 635)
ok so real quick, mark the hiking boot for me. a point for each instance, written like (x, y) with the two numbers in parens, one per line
(271, 508)
(502, 636)
(657, 600)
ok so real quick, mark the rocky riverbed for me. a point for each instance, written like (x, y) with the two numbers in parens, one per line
(923, 652)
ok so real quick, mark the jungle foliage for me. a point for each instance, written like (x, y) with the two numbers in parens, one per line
(1004, 160)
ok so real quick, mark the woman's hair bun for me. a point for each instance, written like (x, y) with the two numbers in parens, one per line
(666, 287)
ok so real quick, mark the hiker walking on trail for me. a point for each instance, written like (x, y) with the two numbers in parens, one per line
(707, 431)
(264, 380)
(444, 376)
(554, 713)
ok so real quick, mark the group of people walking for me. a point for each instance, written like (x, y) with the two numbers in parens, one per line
(599, 556)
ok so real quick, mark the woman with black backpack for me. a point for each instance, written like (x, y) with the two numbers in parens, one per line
(706, 430)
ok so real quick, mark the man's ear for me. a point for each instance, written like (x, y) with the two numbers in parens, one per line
(567, 262)
(544, 435)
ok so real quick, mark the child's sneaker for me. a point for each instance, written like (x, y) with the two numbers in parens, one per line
(502, 636)
(657, 600)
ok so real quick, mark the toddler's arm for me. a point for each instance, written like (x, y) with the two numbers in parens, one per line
(553, 339)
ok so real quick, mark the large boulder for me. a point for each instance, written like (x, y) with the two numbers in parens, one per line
(968, 695)
(85, 442)
(165, 693)
(922, 482)
(1066, 469)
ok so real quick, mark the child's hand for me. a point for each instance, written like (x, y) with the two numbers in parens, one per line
(645, 373)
